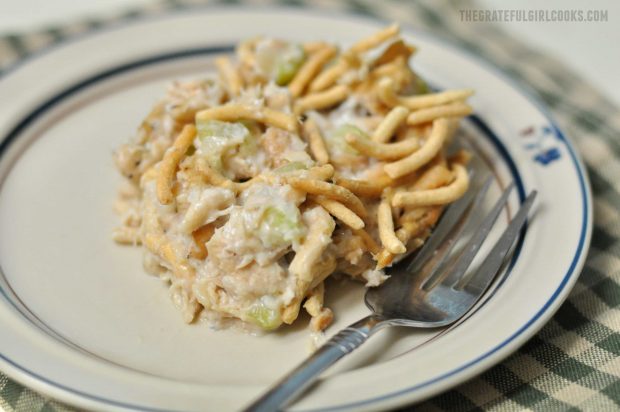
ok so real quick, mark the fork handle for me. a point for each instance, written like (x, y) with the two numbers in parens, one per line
(298, 380)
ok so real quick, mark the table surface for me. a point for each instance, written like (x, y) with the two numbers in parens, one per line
(586, 47)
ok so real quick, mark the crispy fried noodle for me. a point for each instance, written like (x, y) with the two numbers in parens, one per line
(291, 162)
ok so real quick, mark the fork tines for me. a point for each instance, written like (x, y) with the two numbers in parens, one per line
(435, 262)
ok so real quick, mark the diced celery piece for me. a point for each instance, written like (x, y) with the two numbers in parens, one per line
(217, 128)
(421, 86)
(217, 138)
(280, 227)
(279, 60)
(291, 167)
(336, 139)
(249, 147)
(288, 63)
(264, 317)
(348, 128)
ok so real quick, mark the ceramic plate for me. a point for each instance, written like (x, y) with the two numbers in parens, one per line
(83, 323)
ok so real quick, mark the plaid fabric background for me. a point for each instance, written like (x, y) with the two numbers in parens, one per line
(573, 363)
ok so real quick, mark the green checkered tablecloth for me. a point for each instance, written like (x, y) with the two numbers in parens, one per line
(573, 363)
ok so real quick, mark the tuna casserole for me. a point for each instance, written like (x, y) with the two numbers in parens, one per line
(291, 162)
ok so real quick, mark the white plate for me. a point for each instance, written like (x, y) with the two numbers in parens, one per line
(82, 322)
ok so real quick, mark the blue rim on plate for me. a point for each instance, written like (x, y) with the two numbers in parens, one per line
(567, 280)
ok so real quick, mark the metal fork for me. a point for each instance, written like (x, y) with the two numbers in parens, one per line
(431, 290)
